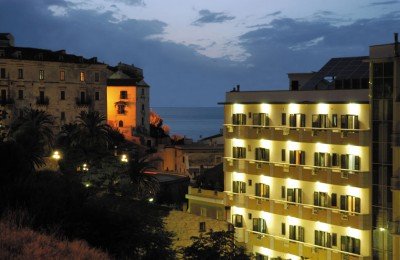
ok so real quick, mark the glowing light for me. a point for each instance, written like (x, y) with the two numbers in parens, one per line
(85, 167)
(151, 199)
(354, 150)
(323, 108)
(381, 229)
(124, 158)
(322, 226)
(322, 187)
(56, 155)
(293, 145)
(353, 191)
(265, 251)
(265, 143)
(237, 210)
(292, 183)
(266, 180)
(265, 108)
(237, 176)
(267, 216)
(294, 108)
(238, 142)
(322, 148)
(353, 232)
(293, 221)
(238, 109)
(353, 109)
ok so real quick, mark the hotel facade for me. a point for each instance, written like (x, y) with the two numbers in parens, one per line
(313, 172)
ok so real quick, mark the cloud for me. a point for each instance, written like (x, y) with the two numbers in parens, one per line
(383, 3)
(305, 45)
(206, 16)
(274, 14)
(130, 2)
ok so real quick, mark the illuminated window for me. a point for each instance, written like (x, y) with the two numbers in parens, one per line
(350, 203)
(239, 119)
(297, 120)
(262, 190)
(297, 157)
(62, 75)
(41, 74)
(262, 154)
(260, 119)
(320, 121)
(237, 220)
(320, 199)
(259, 225)
(239, 187)
(349, 122)
(121, 123)
(294, 195)
(296, 233)
(82, 76)
(239, 152)
(123, 94)
(322, 238)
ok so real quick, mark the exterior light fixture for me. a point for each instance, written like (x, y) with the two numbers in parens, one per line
(85, 167)
(381, 229)
(151, 199)
(124, 158)
(56, 155)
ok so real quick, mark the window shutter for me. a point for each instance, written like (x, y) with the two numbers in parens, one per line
(358, 205)
(343, 202)
(316, 198)
(357, 163)
(303, 120)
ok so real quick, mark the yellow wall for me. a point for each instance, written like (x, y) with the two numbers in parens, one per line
(129, 118)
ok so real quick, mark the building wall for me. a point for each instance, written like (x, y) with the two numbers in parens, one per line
(52, 85)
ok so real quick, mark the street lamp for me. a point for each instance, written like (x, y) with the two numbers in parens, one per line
(56, 155)
(124, 158)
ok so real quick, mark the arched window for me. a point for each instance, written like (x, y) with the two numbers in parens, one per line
(121, 123)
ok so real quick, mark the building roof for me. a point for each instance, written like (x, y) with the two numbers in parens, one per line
(24, 53)
(126, 75)
(339, 69)
(211, 137)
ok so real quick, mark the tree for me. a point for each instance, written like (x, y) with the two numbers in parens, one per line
(33, 131)
(214, 245)
(144, 184)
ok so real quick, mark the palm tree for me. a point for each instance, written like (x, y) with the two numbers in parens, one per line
(93, 131)
(144, 184)
(33, 131)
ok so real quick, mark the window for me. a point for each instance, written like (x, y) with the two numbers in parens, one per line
(350, 162)
(349, 122)
(41, 95)
(294, 84)
(259, 225)
(239, 152)
(96, 77)
(322, 159)
(334, 200)
(320, 121)
(322, 238)
(294, 195)
(283, 155)
(238, 119)
(20, 73)
(142, 91)
(297, 120)
(262, 190)
(3, 94)
(142, 120)
(82, 76)
(3, 73)
(249, 215)
(283, 192)
(262, 154)
(41, 74)
(202, 227)
(297, 157)
(334, 239)
(203, 212)
(320, 199)
(250, 182)
(296, 233)
(350, 244)
(62, 94)
(121, 109)
(283, 229)
(335, 160)
(260, 119)
(334, 120)
(283, 119)
(239, 187)
(83, 96)
(121, 123)
(62, 117)
(96, 95)
(142, 107)
(350, 203)
(237, 220)
(123, 94)
(20, 94)
(62, 75)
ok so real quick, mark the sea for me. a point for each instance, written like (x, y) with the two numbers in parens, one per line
(192, 122)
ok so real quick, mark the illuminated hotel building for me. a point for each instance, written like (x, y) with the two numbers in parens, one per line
(313, 172)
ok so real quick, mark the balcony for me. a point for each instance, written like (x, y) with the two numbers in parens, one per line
(83, 102)
(305, 250)
(305, 134)
(42, 101)
(6, 101)
(310, 173)
(209, 196)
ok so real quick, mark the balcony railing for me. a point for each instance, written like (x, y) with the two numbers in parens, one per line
(6, 101)
(42, 101)
(83, 102)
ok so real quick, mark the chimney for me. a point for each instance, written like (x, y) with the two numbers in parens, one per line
(238, 88)
(396, 44)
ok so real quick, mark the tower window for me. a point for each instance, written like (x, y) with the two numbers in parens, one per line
(121, 123)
